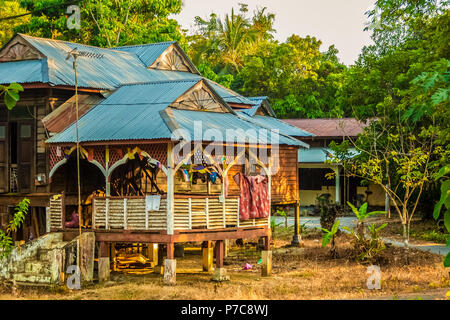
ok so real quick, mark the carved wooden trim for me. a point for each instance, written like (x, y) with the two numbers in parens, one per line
(199, 98)
(18, 49)
(172, 60)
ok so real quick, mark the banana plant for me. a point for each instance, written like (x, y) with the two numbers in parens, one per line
(362, 215)
(328, 235)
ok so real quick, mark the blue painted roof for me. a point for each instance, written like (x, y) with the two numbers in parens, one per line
(274, 123)
(130, 113)
(23, 71)
(147, 53)
(231, 96)
(99, 68)
(133, 113)
(319, 155)
(231, 128)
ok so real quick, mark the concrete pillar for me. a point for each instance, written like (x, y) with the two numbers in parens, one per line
(86, 252)
(57, 267)
(170, 271)
(208, 256)
(266, 257)
(103, 269)
(338, 185)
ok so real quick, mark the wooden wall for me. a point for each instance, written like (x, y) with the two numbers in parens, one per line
(285, 182)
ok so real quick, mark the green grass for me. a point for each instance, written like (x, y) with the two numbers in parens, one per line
(431, 236)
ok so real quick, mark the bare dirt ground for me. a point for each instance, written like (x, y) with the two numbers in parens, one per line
(298, 273)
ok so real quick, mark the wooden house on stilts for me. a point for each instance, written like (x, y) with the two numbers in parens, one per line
(166, 156)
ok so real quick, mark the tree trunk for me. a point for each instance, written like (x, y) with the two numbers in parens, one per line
(406, 241)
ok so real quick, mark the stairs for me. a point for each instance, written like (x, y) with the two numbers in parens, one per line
(36, 263)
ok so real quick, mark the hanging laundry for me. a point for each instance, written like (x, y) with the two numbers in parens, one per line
(152, 202)
(213, 177)
(254, 199)
(185, 174)
(260, 198)
(244, 199)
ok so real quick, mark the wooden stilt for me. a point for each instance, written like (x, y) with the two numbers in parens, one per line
(297, 237)
(104, 267)
(208, 256)
(220, 273)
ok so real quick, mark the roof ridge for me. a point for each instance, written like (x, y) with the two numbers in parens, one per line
(73, 43)
(144, 44)
(159, 81)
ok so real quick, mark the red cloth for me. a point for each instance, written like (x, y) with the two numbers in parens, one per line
(254, 198)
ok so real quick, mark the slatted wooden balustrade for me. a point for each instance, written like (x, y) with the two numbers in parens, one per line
(190, 213)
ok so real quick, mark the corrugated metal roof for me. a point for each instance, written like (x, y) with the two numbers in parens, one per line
(133, 113)
(130, 113)
(229, 95)
(319, 155)
(99, 68)
(240, 130)
(65, 114)
(21, 71)
(329, 127)
(148, 53)
(274, 123)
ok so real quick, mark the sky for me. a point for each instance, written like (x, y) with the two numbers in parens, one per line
(338, 22)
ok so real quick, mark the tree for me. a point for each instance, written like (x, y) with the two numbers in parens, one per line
(444, 201)
(105, 23)
(10, 9)
(223, 43)
(6, 243)
(300, 80)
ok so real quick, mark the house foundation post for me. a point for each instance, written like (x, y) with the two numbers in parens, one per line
(220, 273)
(104, 262)
(266, 258)
(170, 265)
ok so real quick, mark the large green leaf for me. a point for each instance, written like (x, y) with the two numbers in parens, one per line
(326, 238)
(447, 219)
(16, 87)
(363, 210)
(9, 101)
(355, 211)
(445, 199)
(335, 227)
(447, 261)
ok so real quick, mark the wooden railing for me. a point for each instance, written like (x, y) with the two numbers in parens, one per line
(129, 213)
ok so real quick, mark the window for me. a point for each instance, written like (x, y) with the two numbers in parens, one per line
(314, 178)
(2, 132)
(25, 131)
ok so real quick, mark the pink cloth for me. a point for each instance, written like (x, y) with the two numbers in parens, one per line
(73, 223)
(254, 197)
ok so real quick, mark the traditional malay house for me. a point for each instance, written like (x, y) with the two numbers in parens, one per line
(166, 156)
(313, 166)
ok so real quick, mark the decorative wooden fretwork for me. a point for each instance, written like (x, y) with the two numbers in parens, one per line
(17, 50)
(172, 60)
(200, 98)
